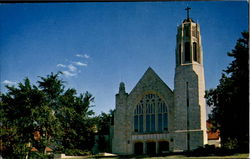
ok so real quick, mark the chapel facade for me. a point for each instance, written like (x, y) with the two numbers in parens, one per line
(154, 119)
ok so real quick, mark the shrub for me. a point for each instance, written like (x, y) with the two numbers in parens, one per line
(210, 150)
(38, 155)
(76, 152)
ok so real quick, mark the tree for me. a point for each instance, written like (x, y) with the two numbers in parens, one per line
(72, 111)
(20, 108)
(76, 119)
(62, 118)
(48, 123)
(230, 101)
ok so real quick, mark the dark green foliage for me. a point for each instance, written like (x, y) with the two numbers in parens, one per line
(20, 106)
(62, 118)
(75, 116)
(210, 150)
(104, 123)
(76, 152)
(230, 100)
(52, 86)
(38, 155)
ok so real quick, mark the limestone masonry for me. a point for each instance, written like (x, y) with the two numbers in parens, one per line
(152, 118)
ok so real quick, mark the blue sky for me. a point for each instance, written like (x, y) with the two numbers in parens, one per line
(98, 45)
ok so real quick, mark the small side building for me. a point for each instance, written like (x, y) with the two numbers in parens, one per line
(213, 137)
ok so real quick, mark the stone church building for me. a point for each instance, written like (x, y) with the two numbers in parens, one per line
(154, 119)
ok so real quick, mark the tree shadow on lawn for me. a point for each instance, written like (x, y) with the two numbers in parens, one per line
(207, 151)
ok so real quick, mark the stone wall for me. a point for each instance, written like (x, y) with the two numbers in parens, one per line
(150, 83)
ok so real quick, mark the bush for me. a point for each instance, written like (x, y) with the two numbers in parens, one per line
(231, 143)
(38, 155)
(210, 150)
(76, 152)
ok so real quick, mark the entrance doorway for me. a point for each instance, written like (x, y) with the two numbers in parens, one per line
(138, 148)
(151, 148)
(163, 147)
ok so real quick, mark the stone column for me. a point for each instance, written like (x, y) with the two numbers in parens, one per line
(144, 147)
(157, 147)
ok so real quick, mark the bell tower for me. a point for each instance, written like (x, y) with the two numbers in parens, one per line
(189, 88)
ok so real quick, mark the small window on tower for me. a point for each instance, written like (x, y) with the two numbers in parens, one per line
(195, 51)
(187, 30)
(187, 51)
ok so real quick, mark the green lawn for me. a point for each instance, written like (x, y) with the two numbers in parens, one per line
(235, 156)
(203, 157)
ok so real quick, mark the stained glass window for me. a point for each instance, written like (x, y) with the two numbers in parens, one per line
(150, 108)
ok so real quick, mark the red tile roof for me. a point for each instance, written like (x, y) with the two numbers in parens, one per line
(212, 135)
(34, 149)
(47, 149)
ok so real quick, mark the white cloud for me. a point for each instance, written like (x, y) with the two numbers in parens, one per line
(84, 56)
(80, 64)
(72, 68)
(68, 74)
(79, 55)
(7, 82)
(60, 65)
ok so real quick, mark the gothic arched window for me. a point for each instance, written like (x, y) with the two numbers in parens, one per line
(138, 118)
(195, 51)
(150, 117)
(153, 110)
(162, 117)
(187, 51)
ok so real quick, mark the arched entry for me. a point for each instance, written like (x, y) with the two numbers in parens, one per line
(151, 148)
(138, 148)
(163, 147)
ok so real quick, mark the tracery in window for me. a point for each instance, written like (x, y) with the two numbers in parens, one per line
(138, 118)
(153, 110)
(162, 117)
(150, 117)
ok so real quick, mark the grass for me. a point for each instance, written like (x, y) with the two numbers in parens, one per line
(235, 156)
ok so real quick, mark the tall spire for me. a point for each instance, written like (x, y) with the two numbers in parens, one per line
(187, 9)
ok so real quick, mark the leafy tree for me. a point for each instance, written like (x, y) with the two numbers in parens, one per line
(48, 123)
(53, 87)
(19, 106)
(62, 118)
(230, 101)
(76, 117)
(72, 111)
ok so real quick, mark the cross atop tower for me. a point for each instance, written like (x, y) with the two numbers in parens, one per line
(187, 9)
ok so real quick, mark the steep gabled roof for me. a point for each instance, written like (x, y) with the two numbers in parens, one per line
(150, 80)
